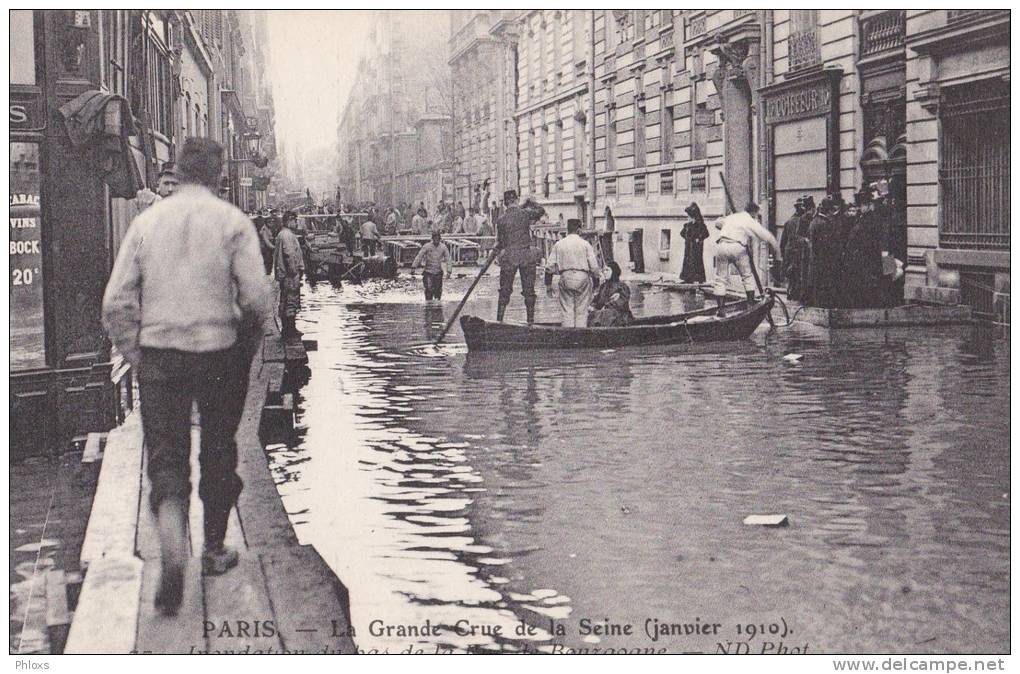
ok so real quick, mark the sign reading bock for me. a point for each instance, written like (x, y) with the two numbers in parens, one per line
(26, 317)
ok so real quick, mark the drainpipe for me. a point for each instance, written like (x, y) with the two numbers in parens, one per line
(590, 126)
(767, 76)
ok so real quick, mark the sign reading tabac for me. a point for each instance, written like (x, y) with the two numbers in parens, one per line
(806, 101)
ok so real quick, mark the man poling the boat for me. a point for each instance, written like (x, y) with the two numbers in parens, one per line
(575, 261)
(736, 231)
(516, 254)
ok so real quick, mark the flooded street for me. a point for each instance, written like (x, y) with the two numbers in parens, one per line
(582, 489)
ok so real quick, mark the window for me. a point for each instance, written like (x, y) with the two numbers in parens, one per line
(611, 187)
(666, 182)
(22, 46)
(974, 167)
(639, 185)
(115, 31)
(664, 239)
(558, 153)
(803, 43)
(699, 179)
(152, 91)
(639, 125)
(666, 133)
(28, 345)
(610, 133)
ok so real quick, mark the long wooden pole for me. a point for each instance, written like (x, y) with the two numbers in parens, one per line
(492, 258)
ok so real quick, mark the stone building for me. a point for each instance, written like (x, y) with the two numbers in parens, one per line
(402, 77)
(68, 215)
(483, 105)
(660, 141)
(553, 110)
(957, 136)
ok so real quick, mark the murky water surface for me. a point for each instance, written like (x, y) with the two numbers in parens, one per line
(518, 503)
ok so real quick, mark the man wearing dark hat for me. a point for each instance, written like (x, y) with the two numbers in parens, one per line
(800, 247)
(827, 239)
(290, 265)
(862, 255)
(516, 255)
(168, 180)
(786, 243)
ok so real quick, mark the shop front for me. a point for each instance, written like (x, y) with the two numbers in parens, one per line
(802, 139)
(60, 370)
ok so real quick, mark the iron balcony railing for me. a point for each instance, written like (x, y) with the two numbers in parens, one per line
(882, 32)
(803, 47)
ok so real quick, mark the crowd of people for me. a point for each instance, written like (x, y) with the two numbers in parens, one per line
(840, 255)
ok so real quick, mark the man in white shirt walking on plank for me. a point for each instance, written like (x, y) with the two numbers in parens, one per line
(736, 232)
(575, 261)
(186, 301)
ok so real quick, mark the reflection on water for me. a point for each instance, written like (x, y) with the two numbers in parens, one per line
(455, 491)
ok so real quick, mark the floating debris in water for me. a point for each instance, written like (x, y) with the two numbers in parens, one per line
(792, 357)
(767, 520)
(608, 351)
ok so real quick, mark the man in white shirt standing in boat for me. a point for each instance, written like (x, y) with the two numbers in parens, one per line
(736, 232)
(575, 261)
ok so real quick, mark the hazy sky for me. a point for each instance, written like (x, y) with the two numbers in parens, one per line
(313, 56)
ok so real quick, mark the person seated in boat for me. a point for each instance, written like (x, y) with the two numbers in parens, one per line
(612, 302)
(574, 260)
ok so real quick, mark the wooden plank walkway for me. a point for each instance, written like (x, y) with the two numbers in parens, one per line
(281, 597)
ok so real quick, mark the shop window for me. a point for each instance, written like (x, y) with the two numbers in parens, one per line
(28, 347)
(974, 167)
(639, 185)
(666, 182)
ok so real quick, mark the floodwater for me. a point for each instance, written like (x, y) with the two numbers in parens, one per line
(595, 500)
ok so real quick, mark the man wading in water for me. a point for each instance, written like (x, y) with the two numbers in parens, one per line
(186, 301)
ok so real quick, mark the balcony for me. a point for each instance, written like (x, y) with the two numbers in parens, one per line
(804, 51)
(883, 32)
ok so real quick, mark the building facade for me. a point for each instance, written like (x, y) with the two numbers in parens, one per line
(69, 211)
(553, 60)
(781, 103)
(957, 134)
(483, 105)
(402, 77)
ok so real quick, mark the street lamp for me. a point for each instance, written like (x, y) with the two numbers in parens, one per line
(254, 141)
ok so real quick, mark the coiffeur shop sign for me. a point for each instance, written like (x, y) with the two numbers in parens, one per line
(805, 101)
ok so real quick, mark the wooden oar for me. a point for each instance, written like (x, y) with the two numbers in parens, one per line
(464, 299)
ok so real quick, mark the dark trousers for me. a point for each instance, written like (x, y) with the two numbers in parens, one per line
(267, 259)
(368, 247)
(433, 283)
(169, 381)
(506, 281)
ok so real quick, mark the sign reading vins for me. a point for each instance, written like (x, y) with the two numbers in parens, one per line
(26, 312)
(807, 101)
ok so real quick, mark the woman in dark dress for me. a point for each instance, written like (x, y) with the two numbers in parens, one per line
(694, 234)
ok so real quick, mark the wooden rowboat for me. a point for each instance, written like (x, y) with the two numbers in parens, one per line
(738, 322)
